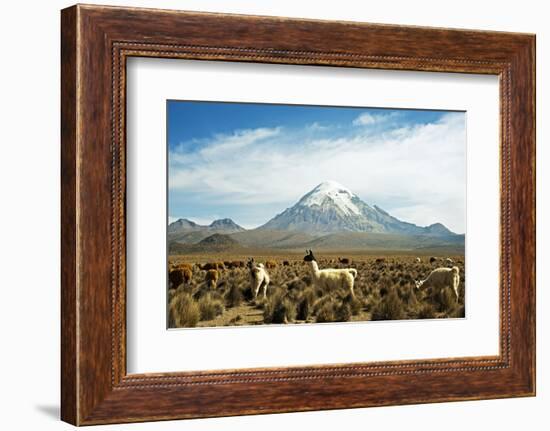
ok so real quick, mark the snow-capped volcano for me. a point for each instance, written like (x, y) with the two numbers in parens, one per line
(331, 193)
(331, 207)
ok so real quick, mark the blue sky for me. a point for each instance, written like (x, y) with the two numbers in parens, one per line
(250, 162)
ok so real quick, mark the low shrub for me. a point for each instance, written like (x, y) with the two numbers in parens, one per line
(305, 303)
(355, 305)
(184, 312)
(343, 312)
(389, 308)
(233, 296)
(307, 280)
(279, 309)
(296, 284)
(370, 301)
(426, 311)
(407, 295)
(325, 310)
(248, 294)
(210, 308)
(459, 312)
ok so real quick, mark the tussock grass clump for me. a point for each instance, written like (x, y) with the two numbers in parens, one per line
(355, 305)
(326, 313)
(279, 309)
(184, 312)
(385, 283)
(426, 311)
(202, 290)
(305, 303)
(285, 311)
(234, 296)
(293, 294)
(320, 303)
(325, 310)
(307, 280)
(459, 312)
(370, 301)
(343, 312)
(248, 294)
(210, 308)
(407, 295)
(389, 308)
(296, 284)
(328, 309)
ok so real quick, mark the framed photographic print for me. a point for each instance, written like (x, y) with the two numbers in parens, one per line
(289, 207)
(249, 160)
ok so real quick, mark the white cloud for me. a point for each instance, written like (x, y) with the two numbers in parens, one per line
(368, 119)
(317, 127)
(237, 141)
(416, 173)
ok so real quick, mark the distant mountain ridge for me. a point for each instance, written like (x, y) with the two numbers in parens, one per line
(188, 232)
(183, 224)
(218, 239)
(328, 217)
(215, 242)
(225, 225)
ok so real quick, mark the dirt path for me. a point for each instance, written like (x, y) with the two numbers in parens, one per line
(245, 314)
(248, 314)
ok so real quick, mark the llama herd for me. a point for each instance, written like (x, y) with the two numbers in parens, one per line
(327, 279)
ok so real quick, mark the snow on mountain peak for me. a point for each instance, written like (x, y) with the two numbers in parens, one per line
(332, 192)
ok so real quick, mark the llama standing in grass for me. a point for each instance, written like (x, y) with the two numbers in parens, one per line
(330, 279)
(441, 278)
(258, 277)
(211, 278)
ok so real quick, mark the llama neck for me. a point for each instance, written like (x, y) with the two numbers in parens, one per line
(314, 268)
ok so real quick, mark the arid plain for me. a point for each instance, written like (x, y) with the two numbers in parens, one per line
(384, 289)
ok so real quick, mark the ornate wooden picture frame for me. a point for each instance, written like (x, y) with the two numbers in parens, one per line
(96, 41)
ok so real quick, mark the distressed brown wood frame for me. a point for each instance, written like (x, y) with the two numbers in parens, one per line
(95, 43)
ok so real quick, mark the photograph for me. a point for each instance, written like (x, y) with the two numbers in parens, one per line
(300, 214)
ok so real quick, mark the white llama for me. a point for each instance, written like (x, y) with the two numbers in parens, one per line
(330, 278)
(441, 278)
(259, 277)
